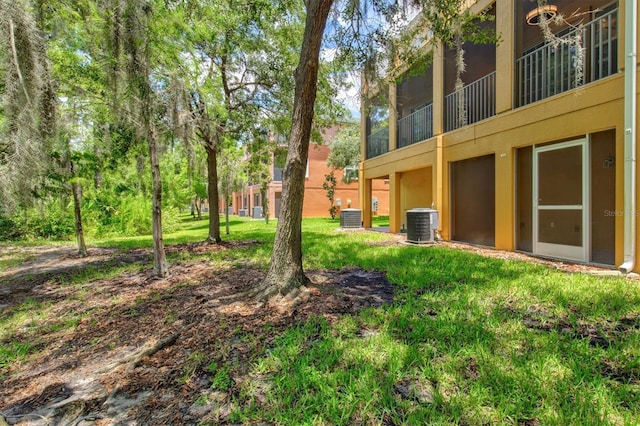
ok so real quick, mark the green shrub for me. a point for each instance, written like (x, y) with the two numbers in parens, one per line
(55, 224)
(128, 215)
(9, 229)
(52, 222)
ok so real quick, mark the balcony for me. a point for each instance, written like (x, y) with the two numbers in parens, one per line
(416, 127)
(476, 101)
(378, 143)
(549, 70)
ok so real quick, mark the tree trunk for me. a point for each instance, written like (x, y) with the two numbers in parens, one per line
(286, 276)
(265, 203)
(140, 169)
(82, 248)
(139, 72)
(212, 190)
(226, 209)
(76, 189)
(160, 268)
(195, 208)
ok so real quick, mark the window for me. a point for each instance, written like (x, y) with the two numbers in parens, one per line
(350, 173)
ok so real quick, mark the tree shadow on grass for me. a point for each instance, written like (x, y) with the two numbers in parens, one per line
(44, 279)
(212, 339)
(304, 365)
(430, 268)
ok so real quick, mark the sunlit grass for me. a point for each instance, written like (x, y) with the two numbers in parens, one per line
(460, 325)
(13, 352)
(491, 341)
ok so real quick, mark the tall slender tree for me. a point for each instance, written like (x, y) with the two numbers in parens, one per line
(79, 83)
(236, 69)
(363, 44)
(261, 153)
(344, 150)
(138, 50)
(232, 178)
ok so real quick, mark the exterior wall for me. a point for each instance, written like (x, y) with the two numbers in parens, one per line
(421, 156)
(410, 199)
(559, 118)
(577, 113)
(316, 203)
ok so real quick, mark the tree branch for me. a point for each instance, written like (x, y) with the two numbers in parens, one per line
(15, 60)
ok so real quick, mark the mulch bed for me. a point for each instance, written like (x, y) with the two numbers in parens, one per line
(139, 351)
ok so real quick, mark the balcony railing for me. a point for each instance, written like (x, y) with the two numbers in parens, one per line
(549, 70)
(416, 127)
(378, 143)
(476, 101)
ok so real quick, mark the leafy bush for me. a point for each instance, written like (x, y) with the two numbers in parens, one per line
(128, 215)
(135, 216)
(55, 224)
(9, 229)
(52, 222)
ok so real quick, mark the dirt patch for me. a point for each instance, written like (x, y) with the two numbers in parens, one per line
(564, 266)
(147, 351)
(39, 277)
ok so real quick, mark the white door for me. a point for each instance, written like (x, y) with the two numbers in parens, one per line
(560, 200)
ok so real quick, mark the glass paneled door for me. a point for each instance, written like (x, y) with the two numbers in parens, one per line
(560, 200)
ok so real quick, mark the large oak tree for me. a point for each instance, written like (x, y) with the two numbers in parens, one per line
(285, 275)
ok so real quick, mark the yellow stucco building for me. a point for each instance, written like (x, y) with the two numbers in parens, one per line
(536, 153)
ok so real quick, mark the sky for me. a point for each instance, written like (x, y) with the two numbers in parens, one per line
(373, 21)
(351, 97)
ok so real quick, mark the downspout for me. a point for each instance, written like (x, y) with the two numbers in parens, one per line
(630, 105)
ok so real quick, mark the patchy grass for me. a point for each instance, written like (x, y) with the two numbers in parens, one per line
(13, 352)
(10, 259)
(496, 342)
(469, 340)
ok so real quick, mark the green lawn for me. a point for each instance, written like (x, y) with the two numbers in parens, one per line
(469, 340)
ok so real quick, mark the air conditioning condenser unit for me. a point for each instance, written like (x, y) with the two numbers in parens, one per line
(422, 224)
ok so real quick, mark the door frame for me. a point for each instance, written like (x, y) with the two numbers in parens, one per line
(574, 253)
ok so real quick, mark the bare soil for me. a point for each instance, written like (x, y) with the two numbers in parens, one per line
(139, 351)
(139, 348)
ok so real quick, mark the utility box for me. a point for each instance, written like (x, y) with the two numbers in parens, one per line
(243, 212)
(421, 225)
(257, 212)
(230, 210)
(351, 218)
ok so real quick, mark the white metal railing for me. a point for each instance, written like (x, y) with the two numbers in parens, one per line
(416, 127)
(378, 143)
(549, 70)
(476, 101)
